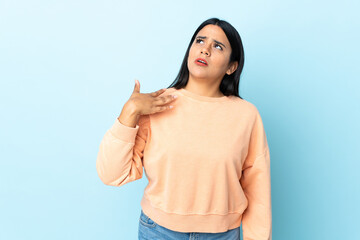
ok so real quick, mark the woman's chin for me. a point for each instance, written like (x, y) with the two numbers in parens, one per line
(199, 73)
(199, 76)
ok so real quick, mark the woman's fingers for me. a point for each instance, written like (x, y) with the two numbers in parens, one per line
(163, 108)
(158, 92)
(149, 103)
(165, 99)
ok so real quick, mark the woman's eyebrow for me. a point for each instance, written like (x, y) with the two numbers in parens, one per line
(203, 37)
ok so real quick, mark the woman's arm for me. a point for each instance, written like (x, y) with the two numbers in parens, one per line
(119, 159)
(256, 183)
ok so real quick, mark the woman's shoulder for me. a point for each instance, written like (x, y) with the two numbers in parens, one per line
(244, 105)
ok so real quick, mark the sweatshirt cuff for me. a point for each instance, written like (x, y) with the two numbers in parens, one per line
(123, 132)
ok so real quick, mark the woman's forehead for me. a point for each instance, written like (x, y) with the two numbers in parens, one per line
(213, 32)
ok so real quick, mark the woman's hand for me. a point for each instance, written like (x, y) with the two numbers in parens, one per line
(149, 103)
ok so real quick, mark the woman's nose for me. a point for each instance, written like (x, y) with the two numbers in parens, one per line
(205, 51)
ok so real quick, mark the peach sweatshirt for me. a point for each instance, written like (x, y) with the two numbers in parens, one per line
(207, 162)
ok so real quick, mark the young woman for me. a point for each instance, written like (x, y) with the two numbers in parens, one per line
(203, 148)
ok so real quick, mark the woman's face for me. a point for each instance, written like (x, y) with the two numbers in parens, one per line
(212, 45)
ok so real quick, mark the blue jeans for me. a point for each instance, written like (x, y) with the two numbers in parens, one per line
(150, 230)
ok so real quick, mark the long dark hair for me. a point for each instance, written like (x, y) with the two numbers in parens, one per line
(230, 83)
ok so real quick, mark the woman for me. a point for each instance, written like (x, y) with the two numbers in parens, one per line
(203, 148)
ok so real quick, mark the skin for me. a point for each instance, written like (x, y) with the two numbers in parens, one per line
(205, 80)
(144, 103)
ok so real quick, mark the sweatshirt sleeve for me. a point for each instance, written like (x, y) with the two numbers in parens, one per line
(256, 184)
(120, 156)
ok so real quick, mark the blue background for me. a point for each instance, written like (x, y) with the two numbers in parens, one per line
(68, 67)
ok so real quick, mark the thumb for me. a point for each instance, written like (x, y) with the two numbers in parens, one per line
(137, 86)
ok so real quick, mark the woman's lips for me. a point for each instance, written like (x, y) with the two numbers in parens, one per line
(200, 63)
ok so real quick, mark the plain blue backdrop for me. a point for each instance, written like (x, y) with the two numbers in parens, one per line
(68, 67)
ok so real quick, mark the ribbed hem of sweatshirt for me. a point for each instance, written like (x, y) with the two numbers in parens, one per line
(209, 223)
(123, 132)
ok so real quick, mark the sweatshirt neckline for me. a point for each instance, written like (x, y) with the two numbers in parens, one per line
(202, 98)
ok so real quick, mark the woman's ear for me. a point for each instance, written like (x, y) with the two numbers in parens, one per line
(232, 68)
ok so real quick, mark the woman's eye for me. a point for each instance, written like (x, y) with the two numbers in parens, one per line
(219, 46)
(216, 45)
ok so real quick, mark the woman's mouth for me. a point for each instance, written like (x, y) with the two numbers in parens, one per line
(201, 62)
